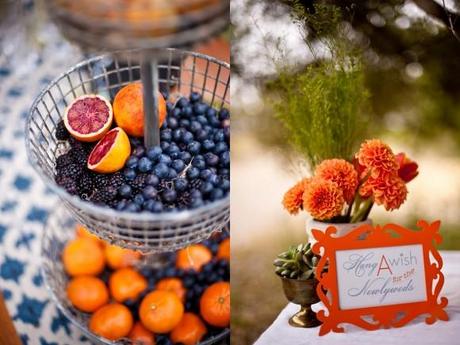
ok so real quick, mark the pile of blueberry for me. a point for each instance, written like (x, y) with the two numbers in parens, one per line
(189, 169)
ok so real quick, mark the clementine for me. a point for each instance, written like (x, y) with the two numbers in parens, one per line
(82, 231)
(215, 304)
(129, 112)
(87, 293)
(193, 257)
(83, 256)
(118, 257)
(140, 335)
(174, 285)
(189, 331)
(113, 321)
(126, 283)
(224, 250)
(161, 311)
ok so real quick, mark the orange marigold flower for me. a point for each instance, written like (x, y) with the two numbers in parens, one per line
(323, 199)
(377, 157)
(341, 172)
(292, 200)
(389, 191)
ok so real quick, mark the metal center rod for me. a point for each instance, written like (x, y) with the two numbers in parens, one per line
(149, 77)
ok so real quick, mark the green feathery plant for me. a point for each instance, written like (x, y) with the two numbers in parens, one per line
(321, 106)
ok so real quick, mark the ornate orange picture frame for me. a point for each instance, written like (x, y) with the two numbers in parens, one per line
(379, 276)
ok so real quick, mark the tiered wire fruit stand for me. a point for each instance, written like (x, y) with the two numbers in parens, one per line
(147, 59)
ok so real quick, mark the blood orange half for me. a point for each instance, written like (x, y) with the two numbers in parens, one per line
(111, 152)
(88, 117)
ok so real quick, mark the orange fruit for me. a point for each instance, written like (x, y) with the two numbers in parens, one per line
(126, 283)
(173, 285)
(83, 256)
(118, 257)
(161, 311)
(215, 304)
(84, 232)
(193, 257)
(224, 250)
(189, 331)
(140, 335)
(113, 321)
(88, 117)
(110, 153)
(129, 112)
(87, 293)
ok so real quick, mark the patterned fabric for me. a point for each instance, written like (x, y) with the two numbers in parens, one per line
(25, 202)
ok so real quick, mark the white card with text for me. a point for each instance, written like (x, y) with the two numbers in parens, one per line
(380, 276)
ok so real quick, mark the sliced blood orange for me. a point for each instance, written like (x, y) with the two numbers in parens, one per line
(111, 152)
(88, 117)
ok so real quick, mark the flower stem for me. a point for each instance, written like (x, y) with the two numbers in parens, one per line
(362, 212)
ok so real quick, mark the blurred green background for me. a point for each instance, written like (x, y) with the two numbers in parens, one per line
(411, 56)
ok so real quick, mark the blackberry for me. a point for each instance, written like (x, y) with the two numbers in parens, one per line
(85, 184)
(195, 184)
(104, 195)
(72, 170)
(184, 199)
(100, 180)
(61, 131)
(116, 180)
(64, 160)
(68, 183)
(139, 182)
(163, 185)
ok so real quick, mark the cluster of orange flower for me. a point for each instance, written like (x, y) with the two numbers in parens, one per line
(375, 173)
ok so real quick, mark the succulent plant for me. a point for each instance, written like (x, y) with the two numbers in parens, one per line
(298, 262)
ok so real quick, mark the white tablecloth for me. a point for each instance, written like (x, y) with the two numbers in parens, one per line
(416, 332)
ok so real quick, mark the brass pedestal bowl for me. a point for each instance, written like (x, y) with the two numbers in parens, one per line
(302, 292)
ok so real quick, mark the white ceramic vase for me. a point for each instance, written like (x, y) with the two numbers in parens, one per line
(342, 228)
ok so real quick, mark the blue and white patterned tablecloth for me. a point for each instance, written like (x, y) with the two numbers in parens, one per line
(24, 200)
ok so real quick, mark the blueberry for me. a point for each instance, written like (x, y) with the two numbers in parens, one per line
(202, 120)
(130, 174)
(166, 135)
(225, 159)
(220, 147)
(132, 162)
(161, 170)
(177, 134)
(195, 97)
(172, 173)
(217, 193)
(205, 174)
(184, 123)
(152, 180)
(154, 152)
(199, 163)
(201, 135)
(139, 199)
(182, 102)
(224, 172)
(195, 126)
(187, 111)
(139, 151)
(219, 135)
(224, 114)
(215, 180)
(206, 187)
(199, 108)
(187, 137)
(211, 159)
(121, 204)
(175, 113)
(214, 122)
(132, 207)
(178, 165)
(227, 133)
(149, 192)
(195, 193)
(193, 173)
(194, 147)
(164, 145)
(208, 145)
(185, 156)
(169, 195)
(135, 141)
(165, 159)
(169, 106)
(125, 190)
(153, 206)
(172, 149)
(211, 113)
(180, 184)
(225, 184)
(145, 165)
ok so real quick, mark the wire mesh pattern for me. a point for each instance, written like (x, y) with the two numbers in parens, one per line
(113, 25)
(58, 231)
(180, 73)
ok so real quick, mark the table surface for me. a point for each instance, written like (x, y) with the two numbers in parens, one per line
(416, 332)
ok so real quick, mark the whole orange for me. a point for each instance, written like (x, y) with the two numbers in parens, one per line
(83, 256)
(140, 335)
(173, 285)
(193, 257)
(118, 257)
(112, 321)
(189, 331)
(82, 231)
(126, 283)
(129, 112)
(161, 311)
(87, 293)
(215, 304)
(224, 250)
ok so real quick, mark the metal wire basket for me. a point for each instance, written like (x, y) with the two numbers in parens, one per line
(58, 231)
(180, 72)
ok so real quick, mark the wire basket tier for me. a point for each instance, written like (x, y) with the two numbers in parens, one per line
(112, 25)
(58, 231)
(180, 73)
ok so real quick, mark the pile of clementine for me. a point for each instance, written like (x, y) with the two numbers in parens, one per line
(184, 303)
